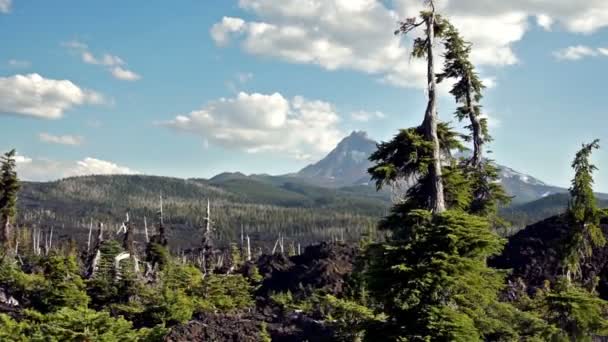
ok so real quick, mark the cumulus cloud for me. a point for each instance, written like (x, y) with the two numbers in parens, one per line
(356, 34)
(5, 6)
(114, 64)
(71, 140)
(35, 96)
(44, 169)
(221, 32)
(574, 53)
(365, 116)
(93, 166)
(299, 127)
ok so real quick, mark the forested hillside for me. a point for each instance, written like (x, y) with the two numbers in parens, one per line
(261, 208)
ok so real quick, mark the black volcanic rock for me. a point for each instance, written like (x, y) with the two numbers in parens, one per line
(535, 255)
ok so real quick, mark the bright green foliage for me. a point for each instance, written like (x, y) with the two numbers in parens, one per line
(63, 285)
(583, 210)
(433, 283)
(57, 286)
(348, 318)
(264, 335)
(468, 86)
(236, 258)
(182, 291)
(103, 287)
(580, 315)
(23, 286)
(409, 154)
(226, 293)
(487, 193)
(69, 324)
(9, 187)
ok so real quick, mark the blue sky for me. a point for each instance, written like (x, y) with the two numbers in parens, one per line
(194, 88)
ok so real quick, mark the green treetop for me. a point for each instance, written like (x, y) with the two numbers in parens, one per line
(583, 211)
(9, 187)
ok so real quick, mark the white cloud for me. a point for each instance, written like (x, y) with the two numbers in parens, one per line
(574, 53)
(356, 34)
(93, 166)
(299, 127)
(544, 21)
(18, 64)
(114, 64)
(39, 97)
(365, 116)
(44, 169)
(124, 74)
(5, 6)
(71, 140)
(221, 31)
(603, 51)
(19, 159)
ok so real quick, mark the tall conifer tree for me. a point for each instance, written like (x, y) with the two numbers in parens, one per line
(8, 195)
(424, 48)
(486, 193)
(583, 211)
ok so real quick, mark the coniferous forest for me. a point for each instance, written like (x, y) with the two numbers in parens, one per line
(192, 261)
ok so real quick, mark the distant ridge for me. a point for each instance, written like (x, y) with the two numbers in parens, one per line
(348, 163)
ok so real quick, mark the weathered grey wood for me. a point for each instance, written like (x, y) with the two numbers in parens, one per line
(431, 118)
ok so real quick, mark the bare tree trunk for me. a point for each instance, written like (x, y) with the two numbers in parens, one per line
(431, 120)
(89, 240)
(6, 232)
(33, 233)
(51, 240)
(146, 230)
(248, 249)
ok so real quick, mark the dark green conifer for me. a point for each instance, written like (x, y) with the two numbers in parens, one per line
(583, 211)
(9, 187)
(486, 193)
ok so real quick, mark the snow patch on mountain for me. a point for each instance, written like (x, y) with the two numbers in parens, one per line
(507, 172)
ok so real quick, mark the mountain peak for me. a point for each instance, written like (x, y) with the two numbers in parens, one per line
(358, 134)
(345, 165)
